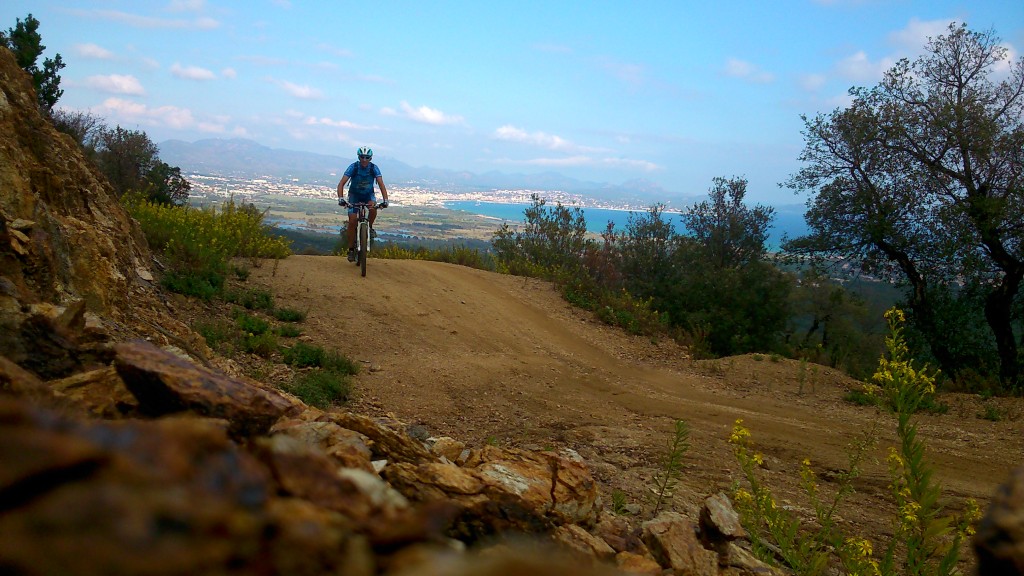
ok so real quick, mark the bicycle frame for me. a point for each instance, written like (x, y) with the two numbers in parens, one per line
(362, 234)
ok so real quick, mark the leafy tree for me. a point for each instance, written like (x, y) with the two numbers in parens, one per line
(126, 157)
(646, 252)
(723, 292)
(551, 243)
(919, 180)
(84, 127)
(25, 42)
(731, 233)
(166, 185)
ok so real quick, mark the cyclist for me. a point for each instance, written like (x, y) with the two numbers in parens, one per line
(362, 174)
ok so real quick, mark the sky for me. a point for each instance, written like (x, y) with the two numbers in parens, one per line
(675, 92)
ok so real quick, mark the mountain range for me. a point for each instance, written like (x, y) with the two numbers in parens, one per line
(240, 157)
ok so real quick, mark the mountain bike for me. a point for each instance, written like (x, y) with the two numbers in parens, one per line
(363, 239)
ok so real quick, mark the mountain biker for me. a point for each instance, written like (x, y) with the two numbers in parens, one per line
(362, 174)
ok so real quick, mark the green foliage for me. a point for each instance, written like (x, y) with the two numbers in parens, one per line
(289, 315)
(288, 331)
(321, 388)
(25, 42)
(892, 196)
(251, 298)
(251, 324)
(929, 541)
(302, 355)
(991, 412)
(217, 333)
(461, 255)
(199, 243)
(672, 466)
(731, 233)
(263, 345)
(551, 242)
(619, 502)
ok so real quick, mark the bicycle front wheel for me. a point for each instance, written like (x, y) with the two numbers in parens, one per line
(364, 242)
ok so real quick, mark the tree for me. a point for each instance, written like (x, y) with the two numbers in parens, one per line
(166, 185)
(25, 42)
(553, 241)
(921, 179)
(732, 233)
(126, 157)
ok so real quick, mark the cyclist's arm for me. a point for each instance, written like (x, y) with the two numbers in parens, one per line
(341, 186)
(383, 189)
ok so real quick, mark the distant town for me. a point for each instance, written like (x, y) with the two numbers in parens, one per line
(214, 188)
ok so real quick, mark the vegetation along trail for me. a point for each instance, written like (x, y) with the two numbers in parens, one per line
(484, 357)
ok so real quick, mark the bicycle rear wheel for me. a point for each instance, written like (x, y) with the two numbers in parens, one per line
(364, 242)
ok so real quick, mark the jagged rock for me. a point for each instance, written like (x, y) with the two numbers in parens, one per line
(577, 539)
(397, 445)
(743, 560)
(636, 564)
(672, 539)
(445, 446)
(101, 393)
(161, 497)
(165, 384)
(999, 541)
(348, 448)
(67, 237)
(719, 519)
(504, 490)
(620, 535)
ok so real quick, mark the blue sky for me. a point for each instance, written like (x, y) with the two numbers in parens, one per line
(673, 92)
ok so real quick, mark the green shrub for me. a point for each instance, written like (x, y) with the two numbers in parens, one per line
(263, 345)
(339, 363)
(288, 331)
(303, 355)
(928, 539)
(251, 298)
(288, 315)
(320, 388)
(200, 242)
(216, 332)
(251, 325)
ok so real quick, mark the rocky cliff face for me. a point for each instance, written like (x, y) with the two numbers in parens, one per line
(121, 454)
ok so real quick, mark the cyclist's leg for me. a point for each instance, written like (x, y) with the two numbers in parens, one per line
(351, 230)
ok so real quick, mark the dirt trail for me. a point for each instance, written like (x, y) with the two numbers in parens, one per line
(484, 357)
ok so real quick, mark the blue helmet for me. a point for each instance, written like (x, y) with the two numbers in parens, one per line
(364, 151)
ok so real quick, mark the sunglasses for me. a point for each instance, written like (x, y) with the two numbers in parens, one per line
(365, 157)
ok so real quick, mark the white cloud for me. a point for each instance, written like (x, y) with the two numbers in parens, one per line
(211, 127)
(913, 38)
(746, 71)
(187, 5)
(859, 68)
(812, 82)
(229, 73)
(429, 115)
(127, 112)
(625, 72)
(116, 84)
(585, 160)
(301, 92)
(93, 51)
(192, 72)
(334, 50)
(511, 133)
(137, 21)
(314, 121)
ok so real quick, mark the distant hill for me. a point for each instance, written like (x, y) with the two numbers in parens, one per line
(247, 158)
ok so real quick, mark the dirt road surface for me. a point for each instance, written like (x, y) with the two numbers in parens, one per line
(484, 357)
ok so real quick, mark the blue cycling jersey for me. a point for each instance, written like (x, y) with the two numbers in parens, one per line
(361, 187)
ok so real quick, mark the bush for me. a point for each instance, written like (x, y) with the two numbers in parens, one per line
(303, 355)
(251, 325)
(320, 388)
(288, 315)
(200, 242)
(263, 345)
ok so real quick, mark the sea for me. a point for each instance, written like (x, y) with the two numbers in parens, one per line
(789, 220)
